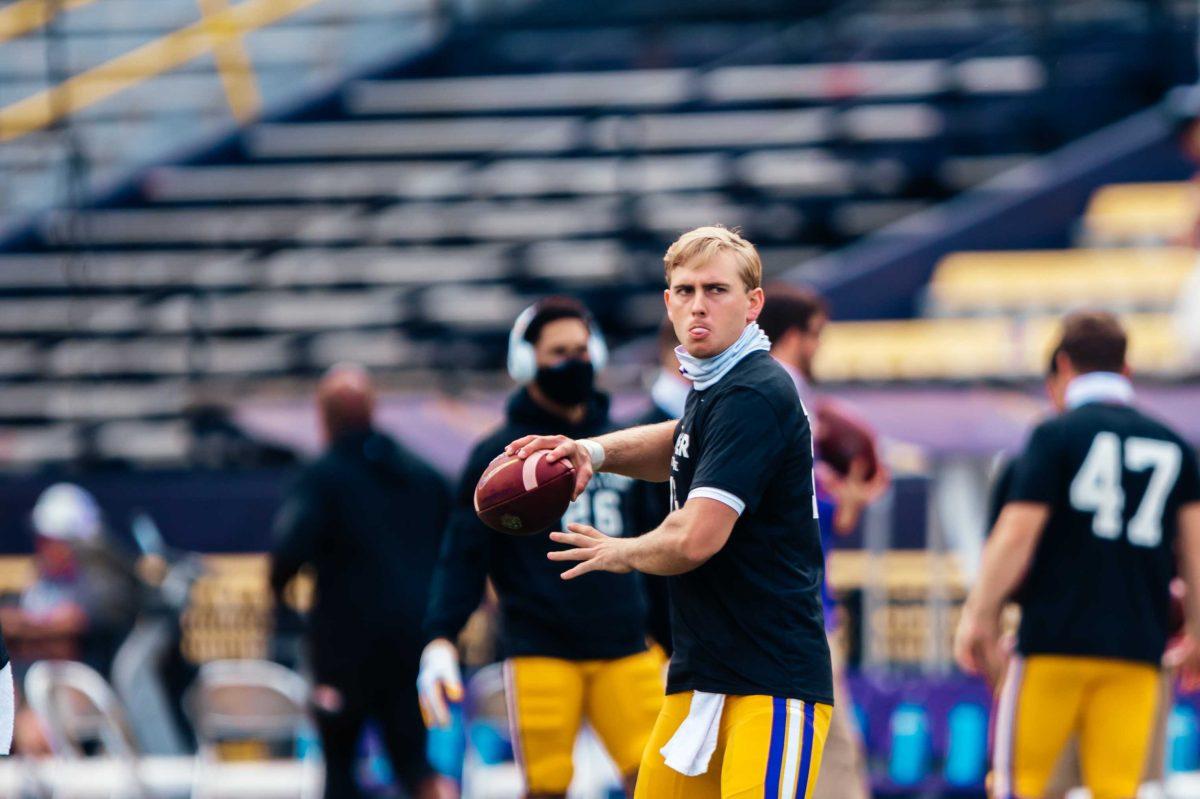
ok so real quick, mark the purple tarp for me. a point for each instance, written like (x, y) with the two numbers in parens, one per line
(939, 420)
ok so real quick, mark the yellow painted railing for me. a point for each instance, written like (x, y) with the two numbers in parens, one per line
(220, 31)
(26, 16)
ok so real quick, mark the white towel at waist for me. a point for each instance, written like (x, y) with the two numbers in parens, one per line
(693, 744)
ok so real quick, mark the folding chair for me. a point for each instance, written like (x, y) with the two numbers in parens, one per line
(248, 700)
(83, 717)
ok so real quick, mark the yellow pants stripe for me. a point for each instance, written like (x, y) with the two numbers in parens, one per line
(1107, 704)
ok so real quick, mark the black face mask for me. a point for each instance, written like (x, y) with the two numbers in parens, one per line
(569, 383)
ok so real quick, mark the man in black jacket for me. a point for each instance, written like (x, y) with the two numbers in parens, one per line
(573, 650)
(368, 516)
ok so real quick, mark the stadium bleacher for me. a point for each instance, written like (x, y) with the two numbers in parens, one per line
(413, 173)
(1049, 281)
(1147, 214)
(432, 202)
(994, 314)
(146, 80)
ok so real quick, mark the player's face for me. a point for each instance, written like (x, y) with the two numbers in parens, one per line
(709, 305)
(560, 340)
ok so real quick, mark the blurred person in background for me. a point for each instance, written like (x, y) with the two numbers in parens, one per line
(367, 516)
(574, 650)
(651, 502)
(85, 596)
(793, 319)
(1002, 483)
(1111, 497)
(83, 601)
(1067, 773)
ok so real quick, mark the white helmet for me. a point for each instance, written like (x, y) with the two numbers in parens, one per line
(67, 512)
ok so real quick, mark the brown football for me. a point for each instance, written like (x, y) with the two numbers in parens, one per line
(523, 497)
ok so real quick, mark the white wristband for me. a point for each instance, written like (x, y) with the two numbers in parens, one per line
(595, 452)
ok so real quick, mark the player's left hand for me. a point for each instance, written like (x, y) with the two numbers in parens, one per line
(594, 550)
(560, 448)
(977, 647)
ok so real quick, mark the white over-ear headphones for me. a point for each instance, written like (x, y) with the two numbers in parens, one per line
(522, 362)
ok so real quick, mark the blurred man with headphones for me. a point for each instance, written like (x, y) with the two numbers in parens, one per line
(573, 650)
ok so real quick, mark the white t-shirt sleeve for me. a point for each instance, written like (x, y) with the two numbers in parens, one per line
(720, 495)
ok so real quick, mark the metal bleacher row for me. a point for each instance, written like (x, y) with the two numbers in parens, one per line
(405, 221)
(134, 100)
(1150, 214)
(966, 349)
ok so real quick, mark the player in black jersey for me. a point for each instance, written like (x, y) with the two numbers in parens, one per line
(1067, 774)
(749, 691)
(572, 651)
(1102, 500)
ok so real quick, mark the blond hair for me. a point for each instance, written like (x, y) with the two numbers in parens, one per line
(703, 243)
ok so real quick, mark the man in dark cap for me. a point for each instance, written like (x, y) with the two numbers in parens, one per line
(368, 517)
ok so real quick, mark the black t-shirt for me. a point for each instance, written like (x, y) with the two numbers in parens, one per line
(1115, 480)
(749, 620)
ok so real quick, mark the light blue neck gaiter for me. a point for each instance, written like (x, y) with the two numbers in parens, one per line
(705, 372)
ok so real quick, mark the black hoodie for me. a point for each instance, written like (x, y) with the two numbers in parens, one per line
(368, 515)
(597, 616)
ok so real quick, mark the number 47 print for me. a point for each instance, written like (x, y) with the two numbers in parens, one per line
(1097, 486)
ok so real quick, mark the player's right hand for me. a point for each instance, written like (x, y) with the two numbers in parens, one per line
(560, 447)
(977, 647)
(438, 681)
(1183, 654)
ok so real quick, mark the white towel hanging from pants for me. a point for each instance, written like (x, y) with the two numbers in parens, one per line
(692, 745)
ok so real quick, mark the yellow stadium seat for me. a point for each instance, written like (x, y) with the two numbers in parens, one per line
(1142, 213)
(977, 348)
(1154, 345)
(916, 349)
(1033, 281)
